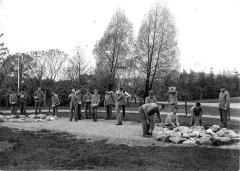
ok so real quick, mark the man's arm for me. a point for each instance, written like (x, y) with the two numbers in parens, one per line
(227, 101)
(177, 123)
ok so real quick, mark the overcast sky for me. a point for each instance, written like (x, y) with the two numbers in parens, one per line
(208, 31)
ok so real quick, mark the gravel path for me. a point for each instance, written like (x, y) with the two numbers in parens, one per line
(129, 133)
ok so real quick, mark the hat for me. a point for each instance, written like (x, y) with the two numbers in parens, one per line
(172, 89)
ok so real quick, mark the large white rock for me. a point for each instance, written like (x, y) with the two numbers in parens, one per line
(177, 140)
(210, 132)
(41, 116)
(190, 141)
(204, 141)
(221, 140)
(231, 134)
(215, 128)
(222, 132)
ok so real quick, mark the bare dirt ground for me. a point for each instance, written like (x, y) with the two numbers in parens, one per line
(130, 133)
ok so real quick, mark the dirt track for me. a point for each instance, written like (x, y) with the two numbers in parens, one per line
(130, 133)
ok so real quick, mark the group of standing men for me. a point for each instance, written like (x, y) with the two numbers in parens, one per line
(39, 98)
(91, 103)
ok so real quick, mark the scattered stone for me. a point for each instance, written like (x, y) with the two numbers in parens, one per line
(215, 128)
(222, 132)
(177, 140)
(191, 141)
(204, 141)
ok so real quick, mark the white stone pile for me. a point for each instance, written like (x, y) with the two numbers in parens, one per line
(29, 118)
(196, 135)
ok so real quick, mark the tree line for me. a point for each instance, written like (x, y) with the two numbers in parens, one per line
(138, 64)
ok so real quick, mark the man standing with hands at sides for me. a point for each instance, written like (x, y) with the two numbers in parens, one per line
(224, 105)
(39, 99)
(23, 101)
(13, 102)
(146, 112)
(172, 98)
(108, 103)
(120, 104)
(87, 101)
(94, 104)
(55, 103)
(79, 100)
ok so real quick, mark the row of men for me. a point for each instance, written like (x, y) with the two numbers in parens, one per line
(91, 104)
(38, 96)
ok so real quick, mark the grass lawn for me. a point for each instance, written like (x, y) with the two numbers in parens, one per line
(232, 100)
(48, 150)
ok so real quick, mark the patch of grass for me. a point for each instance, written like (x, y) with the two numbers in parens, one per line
(41, 150)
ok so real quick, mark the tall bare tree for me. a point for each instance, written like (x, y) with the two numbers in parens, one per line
(77, 66)
(156, 44)
(54, 62)
(114, 46)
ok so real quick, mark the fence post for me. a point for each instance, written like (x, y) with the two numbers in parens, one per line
(186, 107)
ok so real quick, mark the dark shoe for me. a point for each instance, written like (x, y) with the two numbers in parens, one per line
(76, 120)
(94, 120)
(119, 123)
(149, 133)
(147, 136)
(70, 120)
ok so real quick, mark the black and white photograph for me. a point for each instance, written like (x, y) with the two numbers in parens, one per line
(120, 85)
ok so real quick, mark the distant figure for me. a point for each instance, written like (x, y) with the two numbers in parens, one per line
(55, 103)
(79, 100)
(196, 114)
(120, 104)
(151, 98)
(70, 98)
(171, 120)
(39, 99)
(73, 106)
(172, 98)
(23, 101)
(87, 101)
(108, 103)
(13, 102)
(146, 112)
(95, 100)
(224, 105)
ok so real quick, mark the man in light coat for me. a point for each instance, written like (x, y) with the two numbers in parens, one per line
(95, 100)
(151, 98)
(13, 102)
(120, 103)
(224, 105)
(108, 103)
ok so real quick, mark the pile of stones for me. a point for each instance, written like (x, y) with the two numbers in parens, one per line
(28, 118)
(196, 135)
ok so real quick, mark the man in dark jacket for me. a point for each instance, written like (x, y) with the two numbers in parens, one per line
(23, 101)
(39, 99)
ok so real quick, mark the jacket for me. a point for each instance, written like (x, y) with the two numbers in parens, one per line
(13, 98)
(224, 100)
(39, 96)
(55, 100)
(109, 99)
(95, 99)
(121, 98)
(87, 98)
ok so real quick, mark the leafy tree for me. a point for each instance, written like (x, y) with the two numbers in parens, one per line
(156, 44)
(114, 46)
